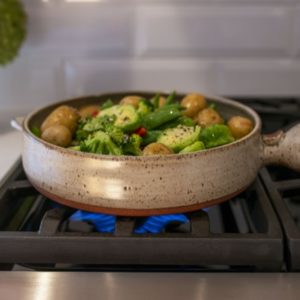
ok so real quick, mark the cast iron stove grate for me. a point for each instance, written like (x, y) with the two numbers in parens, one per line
(241, 234)
(283, 186)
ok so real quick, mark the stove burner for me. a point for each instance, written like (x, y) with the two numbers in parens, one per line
(157, 224)
(107, 223)
(102, 222)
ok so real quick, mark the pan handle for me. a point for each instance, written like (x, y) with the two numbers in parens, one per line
(17, 123)
(283, 147)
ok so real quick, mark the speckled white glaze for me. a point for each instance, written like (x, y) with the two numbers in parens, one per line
(141, 183)
(283, 148)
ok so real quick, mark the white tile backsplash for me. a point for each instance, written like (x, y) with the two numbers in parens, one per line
(95, 76)
(236, 47)
(258, 77)
(81, 27)
(225, 77)
(30, 81)
(213, 31)
(296, 34)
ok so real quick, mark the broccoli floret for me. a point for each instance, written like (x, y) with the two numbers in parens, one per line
(132, 147)
(116, 134)
(98, 123)
(80, 133)
(99, 135)
(100, 142)
(145, 107)
(216, 135)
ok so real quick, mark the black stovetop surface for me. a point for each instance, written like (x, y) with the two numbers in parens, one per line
(259, 230)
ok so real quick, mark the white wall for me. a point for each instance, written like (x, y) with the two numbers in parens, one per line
(231, 47)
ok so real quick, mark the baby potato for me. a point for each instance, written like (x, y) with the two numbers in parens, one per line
(209, 116)
(63, 115)
(58, 135)
(240, 126)
(193, 103)
(133, 100)
(156, 149)
(88, 110)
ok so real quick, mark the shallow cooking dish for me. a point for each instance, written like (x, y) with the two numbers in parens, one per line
(150, 185)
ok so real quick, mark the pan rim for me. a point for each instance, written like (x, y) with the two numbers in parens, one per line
(256, 131)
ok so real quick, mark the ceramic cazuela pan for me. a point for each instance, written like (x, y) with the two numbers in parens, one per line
(150, 185)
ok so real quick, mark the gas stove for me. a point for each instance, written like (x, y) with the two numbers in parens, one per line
(256, 231)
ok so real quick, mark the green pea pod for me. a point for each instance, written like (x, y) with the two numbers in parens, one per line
(170, 99)
(107, 104)
(172, 105)
(161, 116)
(155, 101)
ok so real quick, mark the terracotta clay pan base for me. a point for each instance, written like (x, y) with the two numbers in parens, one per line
(136, 212)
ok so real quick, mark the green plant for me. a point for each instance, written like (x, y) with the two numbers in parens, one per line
(12, 29)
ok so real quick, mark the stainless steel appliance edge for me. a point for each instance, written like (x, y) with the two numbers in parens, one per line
(136, 286)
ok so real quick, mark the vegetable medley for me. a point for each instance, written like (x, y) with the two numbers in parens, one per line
(138, 126)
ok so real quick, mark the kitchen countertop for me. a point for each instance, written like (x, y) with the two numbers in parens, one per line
(143, 286)
(10, 151)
